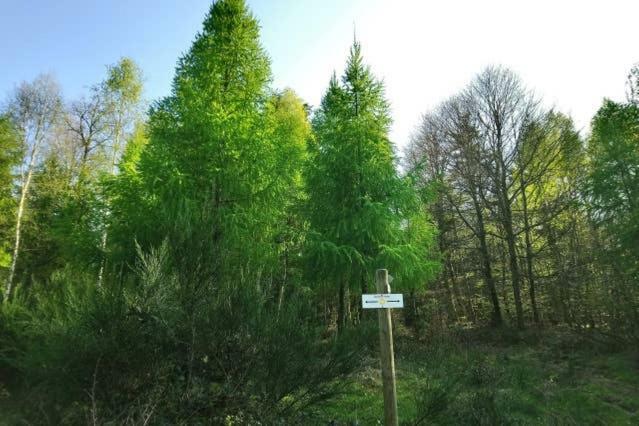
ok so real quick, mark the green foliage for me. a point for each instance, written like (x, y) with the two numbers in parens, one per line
(65, 223)
(362, 214)
(10, 155)
(614, 175)
(123, 85)
(129, 203)
(224, 142)
(192, 322)
(172, 345)
(48, 198)
(213, 118)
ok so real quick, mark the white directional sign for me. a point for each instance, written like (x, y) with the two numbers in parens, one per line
(377, 301)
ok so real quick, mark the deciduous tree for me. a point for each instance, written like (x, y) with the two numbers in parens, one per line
(35, 108)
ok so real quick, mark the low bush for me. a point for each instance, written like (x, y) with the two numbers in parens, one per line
(168, 345)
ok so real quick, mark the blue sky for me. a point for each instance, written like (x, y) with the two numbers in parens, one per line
(571, 53)
(75, 39)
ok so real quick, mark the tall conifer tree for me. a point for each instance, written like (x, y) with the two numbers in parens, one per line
(214, 145)
(362, 214)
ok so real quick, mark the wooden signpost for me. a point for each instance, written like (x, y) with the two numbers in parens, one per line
(385, 301)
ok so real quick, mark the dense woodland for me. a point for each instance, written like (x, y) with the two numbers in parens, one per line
(201, 260)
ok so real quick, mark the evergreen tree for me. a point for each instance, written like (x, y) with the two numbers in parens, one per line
(207, 140)
(362, 214)
(129, 202)
(217, 146)
(290, 133)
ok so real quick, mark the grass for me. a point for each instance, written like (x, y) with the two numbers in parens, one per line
(481, 378)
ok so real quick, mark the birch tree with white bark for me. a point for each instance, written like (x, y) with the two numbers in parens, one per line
(35, 108)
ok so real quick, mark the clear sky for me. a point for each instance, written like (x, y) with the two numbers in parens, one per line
(572, 53)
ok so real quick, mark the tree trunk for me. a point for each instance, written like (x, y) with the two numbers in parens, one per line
(105, 232)
(514, 272)
(447, 284)
(465, 305)
(507, 223)
(486, 267)
(347, 304)
(18, 234)
(280, 296)
(364, 289)
(341, 308)
(448, 302)
(458, 303)
(560, 296)
(529, 251)
(469, 301)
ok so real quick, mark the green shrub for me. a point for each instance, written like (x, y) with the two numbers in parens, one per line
(171, 344)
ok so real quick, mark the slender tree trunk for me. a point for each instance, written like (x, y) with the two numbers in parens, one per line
(341, 307)
(85, 154)
(450, 308)
(514, 273)
(18, 234)
(560, 297)
(280, 296)
(26, 184)
(507, 223)
(490, 282)
(469, 301)
(458, 303)
(347, 303)
(364, 289)
(325, 311)
(412, 310)
(529, 252)
(557, 312)
(486, 266)
(103, 244)
(363, 282)
(531, 278)
(446, 281)
(504, 288)
(454, 281)
(105, 232)
(438, 211)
